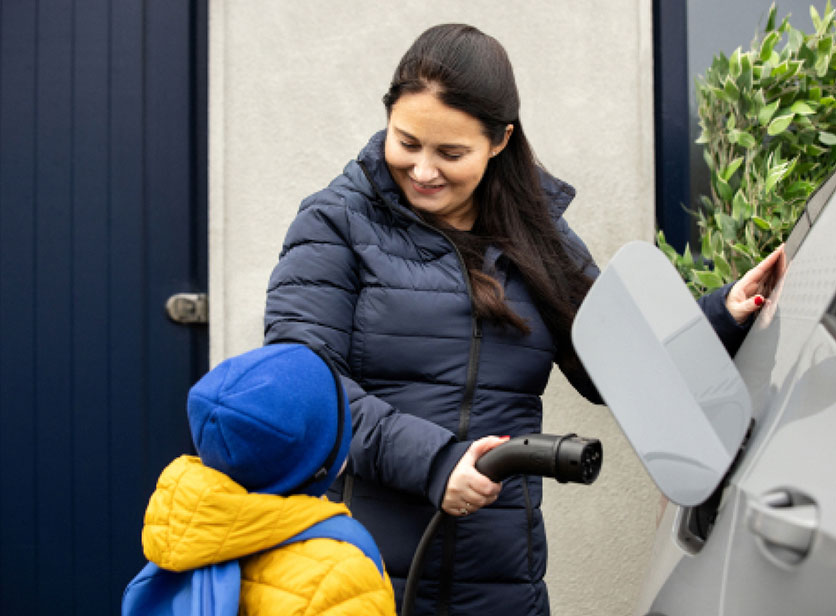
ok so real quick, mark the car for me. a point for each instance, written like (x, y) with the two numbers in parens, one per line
(743, 448)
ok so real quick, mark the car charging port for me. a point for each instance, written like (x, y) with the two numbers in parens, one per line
(694, 524)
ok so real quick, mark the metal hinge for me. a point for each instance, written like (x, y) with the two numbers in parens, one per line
(188, 308)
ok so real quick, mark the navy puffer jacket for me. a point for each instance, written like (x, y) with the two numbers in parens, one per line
(386, 296)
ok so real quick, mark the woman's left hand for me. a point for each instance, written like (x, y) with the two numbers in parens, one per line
(750, 292)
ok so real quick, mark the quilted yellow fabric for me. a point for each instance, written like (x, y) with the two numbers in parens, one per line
(198, 516)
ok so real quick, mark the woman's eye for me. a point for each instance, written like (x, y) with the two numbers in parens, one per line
(412, 147)
(451, 155)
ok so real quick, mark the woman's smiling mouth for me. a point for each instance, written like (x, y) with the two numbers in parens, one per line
(426, 189)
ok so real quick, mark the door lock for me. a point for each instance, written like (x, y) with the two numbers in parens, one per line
(188, 308)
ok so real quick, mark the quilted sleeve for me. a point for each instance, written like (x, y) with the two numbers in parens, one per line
(354, 586)
(318, 577)
(566, 358)
(730, 332)
(576, 249)
(311, 299)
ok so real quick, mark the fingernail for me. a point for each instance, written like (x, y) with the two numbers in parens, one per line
(506, 436)
(758, 300)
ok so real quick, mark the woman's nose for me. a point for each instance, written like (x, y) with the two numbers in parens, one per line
(424, 170)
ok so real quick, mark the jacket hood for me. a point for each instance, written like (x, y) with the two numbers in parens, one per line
(372, 158)
(198, 516)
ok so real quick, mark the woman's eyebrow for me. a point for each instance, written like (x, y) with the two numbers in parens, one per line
(455, 146)
(444, 146)
(405, 134)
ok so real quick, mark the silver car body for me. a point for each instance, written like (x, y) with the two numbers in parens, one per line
(765, 544)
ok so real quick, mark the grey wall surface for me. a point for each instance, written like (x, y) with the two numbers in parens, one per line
(295, 91)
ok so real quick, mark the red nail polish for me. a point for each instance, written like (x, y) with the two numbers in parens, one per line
(758, 300)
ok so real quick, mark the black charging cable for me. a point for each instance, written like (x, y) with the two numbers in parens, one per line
(567, 458)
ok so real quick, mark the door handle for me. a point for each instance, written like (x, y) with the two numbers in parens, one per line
(188, 308)
(784, 524)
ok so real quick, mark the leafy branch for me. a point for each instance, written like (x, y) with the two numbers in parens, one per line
(768, 121)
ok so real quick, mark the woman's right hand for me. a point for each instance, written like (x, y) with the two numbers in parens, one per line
(752, 290)
(468, 490)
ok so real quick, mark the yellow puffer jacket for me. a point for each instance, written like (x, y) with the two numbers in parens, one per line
(198, 516)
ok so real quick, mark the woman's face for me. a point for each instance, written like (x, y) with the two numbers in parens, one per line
(437, 156)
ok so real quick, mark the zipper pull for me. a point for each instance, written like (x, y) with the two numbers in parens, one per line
(477, 328)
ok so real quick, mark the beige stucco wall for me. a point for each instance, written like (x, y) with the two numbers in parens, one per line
(295, 92)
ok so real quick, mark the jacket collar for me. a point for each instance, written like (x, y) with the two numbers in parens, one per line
(373, 157)
(373, 167)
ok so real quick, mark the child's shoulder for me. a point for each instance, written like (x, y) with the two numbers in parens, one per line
(317, 572)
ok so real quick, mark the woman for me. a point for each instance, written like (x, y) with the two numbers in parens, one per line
(438, 273)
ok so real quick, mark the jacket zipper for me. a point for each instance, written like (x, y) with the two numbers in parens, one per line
(476, 325)
(472, 370)
(529, 512)
(448, 549)
(449, 542)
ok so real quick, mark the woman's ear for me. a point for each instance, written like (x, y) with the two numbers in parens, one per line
(498, 148)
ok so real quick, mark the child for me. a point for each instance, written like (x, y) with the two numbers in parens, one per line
(272, 430)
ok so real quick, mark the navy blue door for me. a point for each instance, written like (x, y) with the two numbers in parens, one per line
(102, 218)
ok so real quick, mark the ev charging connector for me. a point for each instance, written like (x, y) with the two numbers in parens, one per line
(567, 458)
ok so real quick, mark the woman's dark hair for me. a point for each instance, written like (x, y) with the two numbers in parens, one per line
(470, 71)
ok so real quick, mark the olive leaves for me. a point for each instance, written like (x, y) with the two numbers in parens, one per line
(768, 120)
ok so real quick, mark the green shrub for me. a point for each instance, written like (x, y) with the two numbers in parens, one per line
(768, 120)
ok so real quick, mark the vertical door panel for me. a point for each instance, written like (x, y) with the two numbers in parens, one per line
(18, 511)
(102, 217)
(54, 313)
